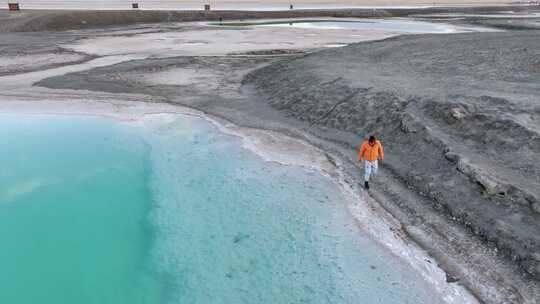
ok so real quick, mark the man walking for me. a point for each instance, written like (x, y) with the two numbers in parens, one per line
(371, 151)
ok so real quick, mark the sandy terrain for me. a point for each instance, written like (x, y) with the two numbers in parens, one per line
(458, 114)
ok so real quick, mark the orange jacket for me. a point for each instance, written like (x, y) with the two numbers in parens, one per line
(371, 153)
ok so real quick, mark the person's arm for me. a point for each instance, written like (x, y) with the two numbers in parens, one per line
(381, 152)
(361, 152)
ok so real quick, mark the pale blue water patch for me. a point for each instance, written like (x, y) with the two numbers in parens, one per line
(394, 25)
(173, 211)
(234, 229)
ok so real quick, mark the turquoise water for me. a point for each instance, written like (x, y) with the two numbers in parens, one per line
(74, 199)
(173, 211)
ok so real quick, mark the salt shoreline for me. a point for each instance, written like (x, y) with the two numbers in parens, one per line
(381, 227)
(462, 255)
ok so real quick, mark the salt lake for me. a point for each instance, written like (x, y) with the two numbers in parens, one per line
(171, 210)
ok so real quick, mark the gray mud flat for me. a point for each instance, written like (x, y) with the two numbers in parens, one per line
(27, 52)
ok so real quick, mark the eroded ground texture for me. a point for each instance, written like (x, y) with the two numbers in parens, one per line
(459, 115)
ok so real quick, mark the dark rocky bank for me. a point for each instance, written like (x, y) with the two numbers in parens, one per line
(459, 116)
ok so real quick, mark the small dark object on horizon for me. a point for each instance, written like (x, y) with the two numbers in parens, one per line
(292, 6)
(207, 7)
(13, 6)
(135, 5)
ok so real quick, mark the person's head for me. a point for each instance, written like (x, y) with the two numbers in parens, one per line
(372, 140)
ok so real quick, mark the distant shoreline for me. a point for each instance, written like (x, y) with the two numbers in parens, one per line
(66, 19)
(250, 5)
